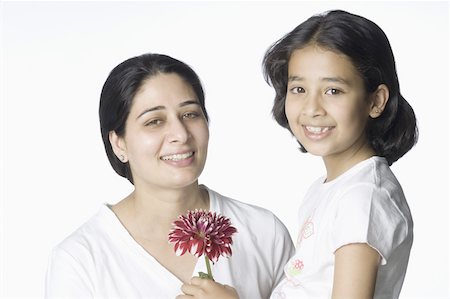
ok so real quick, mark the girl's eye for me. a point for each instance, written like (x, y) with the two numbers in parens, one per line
(296, 90)
(333, 91)
(190, 115)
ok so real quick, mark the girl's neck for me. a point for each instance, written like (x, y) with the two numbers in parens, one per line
(337, 165)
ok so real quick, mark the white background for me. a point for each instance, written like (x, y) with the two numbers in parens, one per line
(55, 175)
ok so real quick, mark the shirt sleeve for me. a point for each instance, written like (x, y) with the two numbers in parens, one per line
(282, 252)
(66, 277)
(368, 214)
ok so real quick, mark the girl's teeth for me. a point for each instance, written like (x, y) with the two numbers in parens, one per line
(177, 157)
(317, 130)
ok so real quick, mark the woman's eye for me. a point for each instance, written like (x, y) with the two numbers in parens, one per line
(333, 91)
(153, 122)
(190, 115)
(296, 90)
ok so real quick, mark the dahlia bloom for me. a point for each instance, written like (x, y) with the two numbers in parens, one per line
(202, 232)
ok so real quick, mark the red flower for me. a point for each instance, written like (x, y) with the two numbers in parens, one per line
(202, 232)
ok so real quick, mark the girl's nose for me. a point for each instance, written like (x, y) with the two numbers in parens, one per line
(312, 106)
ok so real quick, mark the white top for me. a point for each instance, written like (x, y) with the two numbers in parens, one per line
(366, 204)
(102, 260)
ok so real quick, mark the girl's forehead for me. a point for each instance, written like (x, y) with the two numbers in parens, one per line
(314, 59)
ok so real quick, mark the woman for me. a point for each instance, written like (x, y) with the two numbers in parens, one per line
(154, 126)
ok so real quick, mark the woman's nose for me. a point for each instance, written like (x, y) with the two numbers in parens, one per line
(178, 132)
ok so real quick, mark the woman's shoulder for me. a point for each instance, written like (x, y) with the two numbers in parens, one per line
(227, 204)
(254, 224)
(87, 234)
(243, 212)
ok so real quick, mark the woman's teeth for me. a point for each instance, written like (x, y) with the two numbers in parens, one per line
(177, 157)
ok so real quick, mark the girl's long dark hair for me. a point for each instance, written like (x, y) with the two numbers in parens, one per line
(395, 131)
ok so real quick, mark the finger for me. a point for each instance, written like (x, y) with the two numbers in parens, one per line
(183, 297)
(231, 290)
(190, 289)
(197, 281)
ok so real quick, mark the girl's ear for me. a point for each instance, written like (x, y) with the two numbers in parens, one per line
(118, 145)
(379, 99)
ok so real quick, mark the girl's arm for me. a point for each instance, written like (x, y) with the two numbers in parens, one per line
(207, 289)
(355, 271)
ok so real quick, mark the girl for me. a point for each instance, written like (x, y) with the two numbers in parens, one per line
(337, 91)
(154, 127)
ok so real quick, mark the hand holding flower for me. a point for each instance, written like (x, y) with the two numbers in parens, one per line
(203, 233)
(207, 289)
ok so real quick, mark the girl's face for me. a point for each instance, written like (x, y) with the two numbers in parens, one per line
(326, 104)
(166, 133)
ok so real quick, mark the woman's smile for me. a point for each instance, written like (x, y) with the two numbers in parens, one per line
(180, 159)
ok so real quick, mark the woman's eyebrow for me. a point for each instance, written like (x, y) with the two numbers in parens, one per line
(160, 107)
(189, 102)
(150, 110)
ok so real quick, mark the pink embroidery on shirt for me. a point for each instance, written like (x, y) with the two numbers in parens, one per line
(306, 231)
(295, 267)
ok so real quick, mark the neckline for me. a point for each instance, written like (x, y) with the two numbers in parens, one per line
(117, 229)
(354, 168)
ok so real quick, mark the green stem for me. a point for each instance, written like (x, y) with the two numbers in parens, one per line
(208, 267)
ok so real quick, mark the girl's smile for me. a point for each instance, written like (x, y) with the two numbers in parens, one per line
(317, 133)
(327, 106)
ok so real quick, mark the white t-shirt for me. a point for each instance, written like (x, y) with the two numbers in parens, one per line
(366, 204)
(102, 260)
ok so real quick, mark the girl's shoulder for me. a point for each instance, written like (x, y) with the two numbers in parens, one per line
(373, 171)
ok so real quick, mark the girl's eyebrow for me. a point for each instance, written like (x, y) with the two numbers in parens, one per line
(160, 107)
(336, 80)
(294, 78)
(327, 79)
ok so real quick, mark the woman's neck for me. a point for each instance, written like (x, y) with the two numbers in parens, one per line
(150, 212)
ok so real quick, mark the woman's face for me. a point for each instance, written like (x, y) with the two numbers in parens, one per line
(166, 134)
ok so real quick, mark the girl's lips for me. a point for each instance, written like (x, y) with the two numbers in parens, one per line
(317, 132)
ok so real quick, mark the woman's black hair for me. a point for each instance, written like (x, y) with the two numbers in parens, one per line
(120, 88)
(395, 131)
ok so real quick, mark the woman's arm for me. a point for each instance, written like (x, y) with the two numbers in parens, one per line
(207, 289)
(355, 271)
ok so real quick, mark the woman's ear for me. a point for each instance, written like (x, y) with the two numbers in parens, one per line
(118, 146)
(379, 99)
